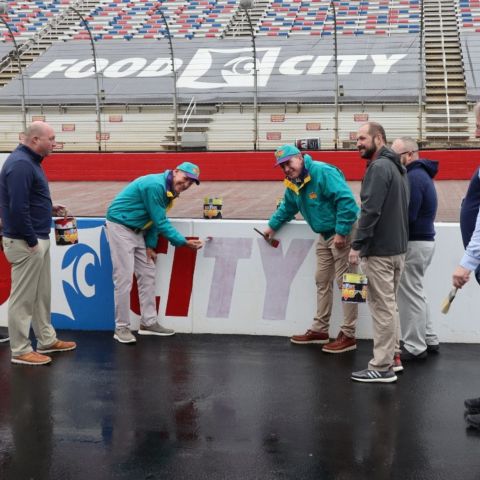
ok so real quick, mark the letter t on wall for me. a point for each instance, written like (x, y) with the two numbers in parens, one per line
(227, 252)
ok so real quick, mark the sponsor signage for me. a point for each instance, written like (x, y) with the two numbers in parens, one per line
(216, 70)
(236, 284)
(274, 136)
(360, 117)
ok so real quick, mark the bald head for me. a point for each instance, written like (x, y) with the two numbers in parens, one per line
(40, 137)
(407, 148)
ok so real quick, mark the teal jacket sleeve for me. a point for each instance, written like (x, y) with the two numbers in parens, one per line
(156, 204)
(285, 212)
(334, 187)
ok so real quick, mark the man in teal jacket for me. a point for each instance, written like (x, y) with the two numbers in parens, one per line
(135, 219)
(321, 194)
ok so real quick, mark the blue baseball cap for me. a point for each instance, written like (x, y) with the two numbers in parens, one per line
(285, 153)
(191, 170)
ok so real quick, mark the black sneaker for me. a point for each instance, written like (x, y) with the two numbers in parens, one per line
(472, 405)
(374, 376)
(405, 355)
(433, 348)
(4, 338)
(473, 420)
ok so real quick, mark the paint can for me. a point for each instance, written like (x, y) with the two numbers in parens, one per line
(212, 207)
(66, 232)
(354, 288)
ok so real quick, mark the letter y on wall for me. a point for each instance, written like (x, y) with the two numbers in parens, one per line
(280, 270)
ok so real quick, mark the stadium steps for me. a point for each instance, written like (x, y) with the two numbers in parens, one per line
(239, 27)
(199, 122)
(446, 109)
(31, 49)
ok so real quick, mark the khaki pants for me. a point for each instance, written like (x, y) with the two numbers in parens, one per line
(129, 256)
(331, 265)
(29, 302)
(415, 320)
(383, 275)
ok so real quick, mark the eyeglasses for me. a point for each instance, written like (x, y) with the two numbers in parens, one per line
(408, 151)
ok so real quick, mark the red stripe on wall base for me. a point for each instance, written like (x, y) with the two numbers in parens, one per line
(224, 166)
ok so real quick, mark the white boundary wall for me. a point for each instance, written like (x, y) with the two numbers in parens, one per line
(241, 285)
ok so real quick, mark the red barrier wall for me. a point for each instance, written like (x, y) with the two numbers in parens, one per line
(454, 164)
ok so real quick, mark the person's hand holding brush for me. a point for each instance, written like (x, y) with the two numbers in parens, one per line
(460, 276)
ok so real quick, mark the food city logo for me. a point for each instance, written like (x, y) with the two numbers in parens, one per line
(214, 68)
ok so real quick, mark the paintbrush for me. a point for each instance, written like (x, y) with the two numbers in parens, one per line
(448, 301)
(271, 241)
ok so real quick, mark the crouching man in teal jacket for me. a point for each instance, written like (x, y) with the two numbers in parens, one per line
(135, 219)
(321, 194)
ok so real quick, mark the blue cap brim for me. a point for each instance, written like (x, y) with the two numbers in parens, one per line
(189, 175)
(283, 160)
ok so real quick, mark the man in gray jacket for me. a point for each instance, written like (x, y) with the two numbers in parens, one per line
(381, 241)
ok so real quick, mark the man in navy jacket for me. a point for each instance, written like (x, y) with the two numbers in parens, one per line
(470, 262)
(417, 329)
(26, 210)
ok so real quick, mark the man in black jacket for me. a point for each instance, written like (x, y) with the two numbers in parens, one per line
(381, 241)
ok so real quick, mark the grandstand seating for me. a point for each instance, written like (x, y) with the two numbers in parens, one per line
(26, 17)
(124, 19)
(469, 15)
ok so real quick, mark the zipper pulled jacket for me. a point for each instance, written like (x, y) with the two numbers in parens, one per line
(383, 225)
(323, 198)
(143, 205)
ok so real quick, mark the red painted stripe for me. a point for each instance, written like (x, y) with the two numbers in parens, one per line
(235, 166)
(181, 282)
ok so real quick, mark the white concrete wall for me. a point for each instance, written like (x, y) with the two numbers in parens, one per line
(240, 284)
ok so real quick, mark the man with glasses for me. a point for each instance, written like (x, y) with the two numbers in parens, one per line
(418, 334)
(321, 194)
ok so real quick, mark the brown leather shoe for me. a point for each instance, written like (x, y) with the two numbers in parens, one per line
(310, 337)
(31, 358)
(58, 346)
(341, 344)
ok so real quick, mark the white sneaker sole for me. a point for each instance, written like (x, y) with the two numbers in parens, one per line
(4, 340)
(148, 332)
(376, 380)
(118, 339)
(33, 364)
(309, 342)
(53, 350)
(343, 350)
